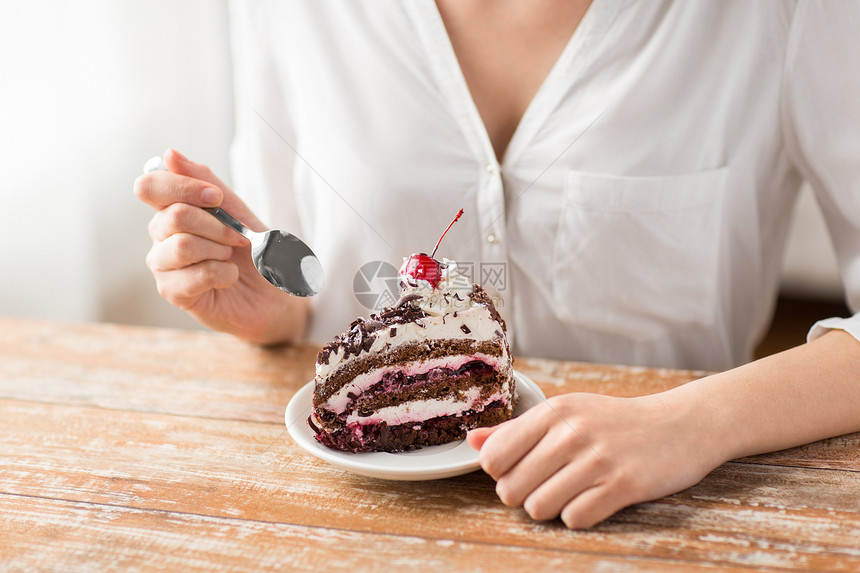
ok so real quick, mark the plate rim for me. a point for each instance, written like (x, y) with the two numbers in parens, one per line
(369, 463)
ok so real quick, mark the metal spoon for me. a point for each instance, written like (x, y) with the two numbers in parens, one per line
(282, 259)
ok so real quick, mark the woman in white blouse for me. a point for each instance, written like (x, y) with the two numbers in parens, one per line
(627, 168)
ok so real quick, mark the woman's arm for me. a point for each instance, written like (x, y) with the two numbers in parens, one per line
(798, 396)
(585, 456)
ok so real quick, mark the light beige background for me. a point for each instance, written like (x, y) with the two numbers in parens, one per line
(88, 92)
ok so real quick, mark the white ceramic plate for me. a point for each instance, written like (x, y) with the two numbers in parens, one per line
(434, 462)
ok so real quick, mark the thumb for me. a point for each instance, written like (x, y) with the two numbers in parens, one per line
(478, 436)
(181, 165)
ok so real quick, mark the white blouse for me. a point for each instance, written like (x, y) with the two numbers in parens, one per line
(640, 212)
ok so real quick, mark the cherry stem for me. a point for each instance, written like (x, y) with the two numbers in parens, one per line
(459, 214)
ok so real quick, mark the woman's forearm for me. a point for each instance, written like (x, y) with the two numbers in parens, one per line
(795, 397)
(288, 323)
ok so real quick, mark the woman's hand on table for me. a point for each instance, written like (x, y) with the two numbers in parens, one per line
(202, 266)
(585, 456)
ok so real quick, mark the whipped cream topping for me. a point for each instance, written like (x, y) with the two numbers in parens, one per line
(479, 326)
(449, 296)
(448, 311)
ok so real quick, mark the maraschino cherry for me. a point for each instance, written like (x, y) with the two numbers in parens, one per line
(423, 267)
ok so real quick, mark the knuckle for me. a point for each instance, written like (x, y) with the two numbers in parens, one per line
(563, 405)
(490, 462)
(577, 517)
(572, 520)
(142, 186)
(183, 247)
(207, 274)
(593, 464)
(508, 493)
(564, 443)
(218, 274)
(174, 292)
(150, 261)
(152, 227)
(166, 292)
(581, 520)
(178, 217)
(535, 506)
(503, 492)
(230, 274)
(597, 462)
(628, 481)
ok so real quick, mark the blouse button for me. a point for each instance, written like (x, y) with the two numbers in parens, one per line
(492, 239)
(491, 168)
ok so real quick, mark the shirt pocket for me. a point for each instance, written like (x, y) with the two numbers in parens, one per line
(638, 257)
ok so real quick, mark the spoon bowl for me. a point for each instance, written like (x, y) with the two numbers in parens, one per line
(282, 258)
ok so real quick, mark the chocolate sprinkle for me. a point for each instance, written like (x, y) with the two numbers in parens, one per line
(323, 356)
(362, 333)
(465, 329)
(480, 296)
(407, 299)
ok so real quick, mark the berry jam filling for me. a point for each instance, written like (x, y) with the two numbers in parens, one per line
(393, 381)
(404, 437)
(396, 380)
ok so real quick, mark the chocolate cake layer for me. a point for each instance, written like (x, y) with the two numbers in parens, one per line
(395, 388)
(442, 384)
(405, 437)
(410, 352)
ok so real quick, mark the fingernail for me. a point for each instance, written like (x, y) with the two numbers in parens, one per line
(211, 196)
(178, 155)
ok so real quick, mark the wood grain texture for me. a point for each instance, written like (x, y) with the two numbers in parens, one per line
(133, 448)
(253, 471)
(150, 370)
(109, 538)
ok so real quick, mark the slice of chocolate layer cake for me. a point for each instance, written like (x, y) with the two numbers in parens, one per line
(419, 373)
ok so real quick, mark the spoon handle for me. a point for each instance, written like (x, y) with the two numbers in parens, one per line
(231, 222)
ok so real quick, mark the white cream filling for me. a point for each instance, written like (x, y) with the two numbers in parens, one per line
(338, 401)
(477, 320)
(421, 410)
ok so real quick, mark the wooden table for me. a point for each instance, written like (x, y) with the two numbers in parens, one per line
(137, 449)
